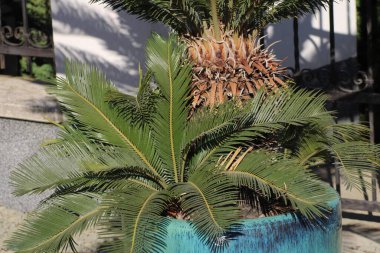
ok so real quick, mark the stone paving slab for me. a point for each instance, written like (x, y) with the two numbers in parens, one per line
(27, 100)
(360, 236)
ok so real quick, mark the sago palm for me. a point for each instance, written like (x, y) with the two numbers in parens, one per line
(222, 38)
(128, 165)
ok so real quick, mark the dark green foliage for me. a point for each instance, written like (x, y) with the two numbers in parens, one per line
(40, 22)
(126, 163)
(40, 16)
(139, 109)
(41, 68)
(187, 17)
(184, 16)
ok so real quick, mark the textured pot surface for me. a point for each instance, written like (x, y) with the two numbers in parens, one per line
(278, 234)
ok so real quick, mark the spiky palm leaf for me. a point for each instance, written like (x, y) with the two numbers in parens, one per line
(137, 110)
(130, 177)
(172, 73)
(275, 176)
(185, 16)
(141, 227)
(189, 17)
(210, 200)
(343, 144)
(52, 227)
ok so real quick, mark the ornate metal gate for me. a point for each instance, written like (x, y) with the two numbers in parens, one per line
(349, 82)
(23, 40)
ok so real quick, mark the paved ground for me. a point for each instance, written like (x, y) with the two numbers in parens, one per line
(23, 99)
(19, 139)
(361, 236)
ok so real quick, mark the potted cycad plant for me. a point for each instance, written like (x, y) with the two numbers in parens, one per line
(176, 168)
(153, 179)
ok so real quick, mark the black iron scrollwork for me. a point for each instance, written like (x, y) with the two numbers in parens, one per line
(361, 80)
(12, 37)
(345, 76)
(17, 37)
(38, 39)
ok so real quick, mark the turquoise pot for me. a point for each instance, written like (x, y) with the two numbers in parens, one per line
(285, 233)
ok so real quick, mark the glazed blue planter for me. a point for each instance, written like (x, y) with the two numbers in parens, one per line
(285, 233)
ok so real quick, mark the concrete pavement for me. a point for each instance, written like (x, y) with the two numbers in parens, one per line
(26, 100)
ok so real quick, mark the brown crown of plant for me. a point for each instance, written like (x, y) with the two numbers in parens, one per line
(230, 68)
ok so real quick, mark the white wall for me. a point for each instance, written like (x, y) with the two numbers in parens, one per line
(97, 35)
(314, 36)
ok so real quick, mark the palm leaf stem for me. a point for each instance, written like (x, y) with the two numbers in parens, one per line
(206, 203)
(143, 184)
(136, 225)
(171, 97)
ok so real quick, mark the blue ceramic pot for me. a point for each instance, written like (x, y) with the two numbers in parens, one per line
(285, 233)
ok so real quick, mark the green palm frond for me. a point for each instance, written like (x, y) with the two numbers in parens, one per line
(346, 144)
(292, 107)
(173, 77)
(83, 94)
(267, 114)
(211, 119)
(191, 17)
(184, 16)
(211, 202)
(65, 163)
(71, 133)
(250, 15)
(309, 151)
(139, 225)
(274, 176)
(106, 181)
(344, 132)
(49, 168)
(203, 122)
(355, 162)
(52, 228)
(136, 110)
